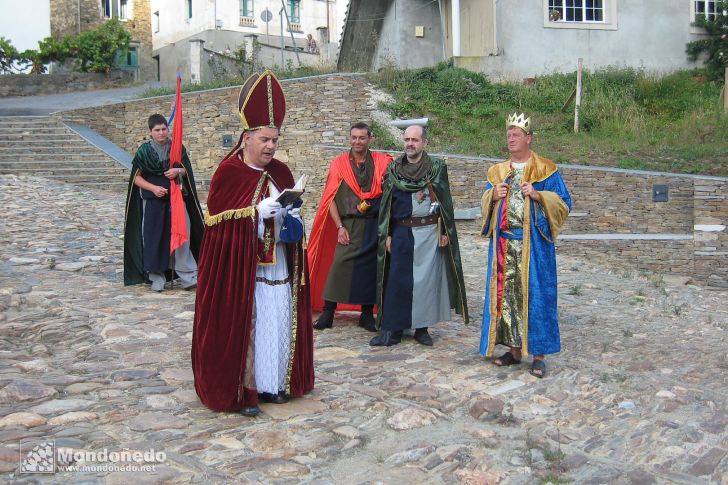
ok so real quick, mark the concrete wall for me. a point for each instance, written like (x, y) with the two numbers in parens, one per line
(514, 39)
(184, 54)
(614, 220)
(398, 44)
(174, 26)
(362, 34)
(649, 34)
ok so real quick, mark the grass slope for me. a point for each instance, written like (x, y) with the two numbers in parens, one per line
(630, 119)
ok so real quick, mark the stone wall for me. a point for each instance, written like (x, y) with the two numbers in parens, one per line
(320, 111)
(710, 216)
(38, 84)
(140, 28)
(613, 221)
(71, 17)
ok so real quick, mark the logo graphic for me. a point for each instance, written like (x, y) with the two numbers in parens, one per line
(38, 457)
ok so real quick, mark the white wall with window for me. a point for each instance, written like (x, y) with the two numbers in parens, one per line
(544, 36)
(703, 8)
(706, 9)
(224, 24)
(179, 19)
(247, 8)
(580, 14)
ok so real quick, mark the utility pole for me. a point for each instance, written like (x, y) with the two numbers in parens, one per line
(577, 104)
(328, 26)
(288, 22)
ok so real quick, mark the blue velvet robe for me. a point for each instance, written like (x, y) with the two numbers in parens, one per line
(541, 326)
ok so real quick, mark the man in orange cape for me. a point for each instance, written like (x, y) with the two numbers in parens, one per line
(342, 250)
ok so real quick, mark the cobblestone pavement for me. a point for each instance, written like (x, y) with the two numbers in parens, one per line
(638, 394)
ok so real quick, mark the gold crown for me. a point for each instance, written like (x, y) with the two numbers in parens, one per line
(519, 121)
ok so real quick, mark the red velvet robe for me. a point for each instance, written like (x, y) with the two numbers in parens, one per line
(323, 239)
(225, 290)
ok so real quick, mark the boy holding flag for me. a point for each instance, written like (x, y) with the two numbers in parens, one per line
(163, 224)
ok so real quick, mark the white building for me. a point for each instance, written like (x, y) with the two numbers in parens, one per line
(516, 39)
(188, 36)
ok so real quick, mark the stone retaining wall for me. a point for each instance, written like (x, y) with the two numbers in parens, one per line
(38, 84)
(613, 209)
(320, 111)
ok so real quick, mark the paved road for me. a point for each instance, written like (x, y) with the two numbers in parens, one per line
(44, 105)
(638, 395)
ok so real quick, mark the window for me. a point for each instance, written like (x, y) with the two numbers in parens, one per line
(247, 8)
(576, 10)
(129, 59)
(106, 9)
(704, 8)
(294, 11)
(581, 14)
(121, 9)
(189, 8)
(155, 21)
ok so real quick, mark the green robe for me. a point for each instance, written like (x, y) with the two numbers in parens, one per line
(147, 162)
(437, 176)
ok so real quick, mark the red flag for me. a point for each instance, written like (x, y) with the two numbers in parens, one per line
(179, 224)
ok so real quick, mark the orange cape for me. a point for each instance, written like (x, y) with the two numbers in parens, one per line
(323, 239)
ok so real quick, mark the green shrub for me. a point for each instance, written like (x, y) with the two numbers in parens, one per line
(714, 47)
(9, 55)
(629, 118)
(96, 50)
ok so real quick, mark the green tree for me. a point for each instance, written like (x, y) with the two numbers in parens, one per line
(8, 55)
(95, 50)
(49, 50)
(715, 44)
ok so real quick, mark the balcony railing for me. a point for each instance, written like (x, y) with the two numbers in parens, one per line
(247, 21)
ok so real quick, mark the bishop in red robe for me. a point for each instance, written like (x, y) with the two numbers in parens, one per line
(253, 336)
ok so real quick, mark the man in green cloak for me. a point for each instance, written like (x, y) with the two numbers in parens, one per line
(147, 225)
(419, 274)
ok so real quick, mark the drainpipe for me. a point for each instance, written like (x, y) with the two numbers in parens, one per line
(444, 29)
(456, 28)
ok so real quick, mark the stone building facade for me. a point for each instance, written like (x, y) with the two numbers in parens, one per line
(70, 17)
(614, 219)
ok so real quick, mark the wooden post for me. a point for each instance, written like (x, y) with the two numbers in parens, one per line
(725, 94)
(577, 104)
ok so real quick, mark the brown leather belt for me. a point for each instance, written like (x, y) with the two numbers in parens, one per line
(418, 221)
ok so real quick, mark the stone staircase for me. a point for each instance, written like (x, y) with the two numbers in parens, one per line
(45, 147)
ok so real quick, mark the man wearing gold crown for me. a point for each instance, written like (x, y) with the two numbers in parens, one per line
(252, 338)
(342, 250)
(524, 207)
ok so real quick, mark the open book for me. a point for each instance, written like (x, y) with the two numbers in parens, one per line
(289, 196)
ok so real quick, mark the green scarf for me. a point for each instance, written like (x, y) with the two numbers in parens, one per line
(413, 172)
(437, 177)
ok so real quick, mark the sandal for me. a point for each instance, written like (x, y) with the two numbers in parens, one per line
(506, 359)
(538, 365)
